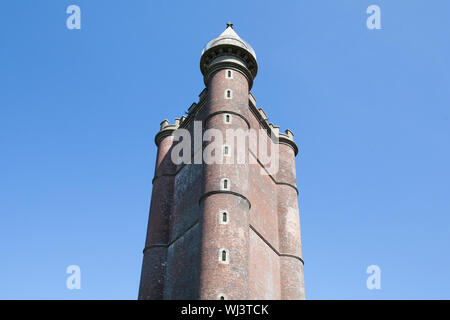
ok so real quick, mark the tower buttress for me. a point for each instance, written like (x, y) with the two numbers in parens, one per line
(155, 252)
(291, 260)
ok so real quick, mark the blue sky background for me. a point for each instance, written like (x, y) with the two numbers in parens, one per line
(369, 109)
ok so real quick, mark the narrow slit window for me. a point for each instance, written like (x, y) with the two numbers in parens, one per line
(227, 118)
(228, 94)
(224, 217)
(225, 184)
(224, 255)
(229, 74)
(226, 150)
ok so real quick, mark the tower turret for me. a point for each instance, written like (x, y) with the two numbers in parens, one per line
(228, 50)
(228, 64)
(155, 251)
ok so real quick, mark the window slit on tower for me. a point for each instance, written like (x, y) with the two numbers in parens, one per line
(224, 256)
(225, 184)
(222, 297)
(227, 118)
(224, 217)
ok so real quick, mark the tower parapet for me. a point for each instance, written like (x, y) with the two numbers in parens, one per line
(166, 129)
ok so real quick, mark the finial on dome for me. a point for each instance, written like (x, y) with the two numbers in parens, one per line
(229, 25)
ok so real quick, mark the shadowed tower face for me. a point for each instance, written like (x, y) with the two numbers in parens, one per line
(224, 218)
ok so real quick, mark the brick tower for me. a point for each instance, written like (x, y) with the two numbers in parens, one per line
(230, 229)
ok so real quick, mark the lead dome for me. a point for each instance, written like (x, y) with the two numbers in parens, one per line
(228, 43)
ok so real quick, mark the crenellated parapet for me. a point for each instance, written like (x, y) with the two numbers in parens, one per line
(166, 129)
(286, 137)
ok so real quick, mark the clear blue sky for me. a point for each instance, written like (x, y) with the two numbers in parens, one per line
(369, 109)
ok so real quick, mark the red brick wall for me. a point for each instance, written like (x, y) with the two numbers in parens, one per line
(262, 236)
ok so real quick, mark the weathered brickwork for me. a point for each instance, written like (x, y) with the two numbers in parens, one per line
(190, 253)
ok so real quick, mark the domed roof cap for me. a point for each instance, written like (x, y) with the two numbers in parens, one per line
(229, 37)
